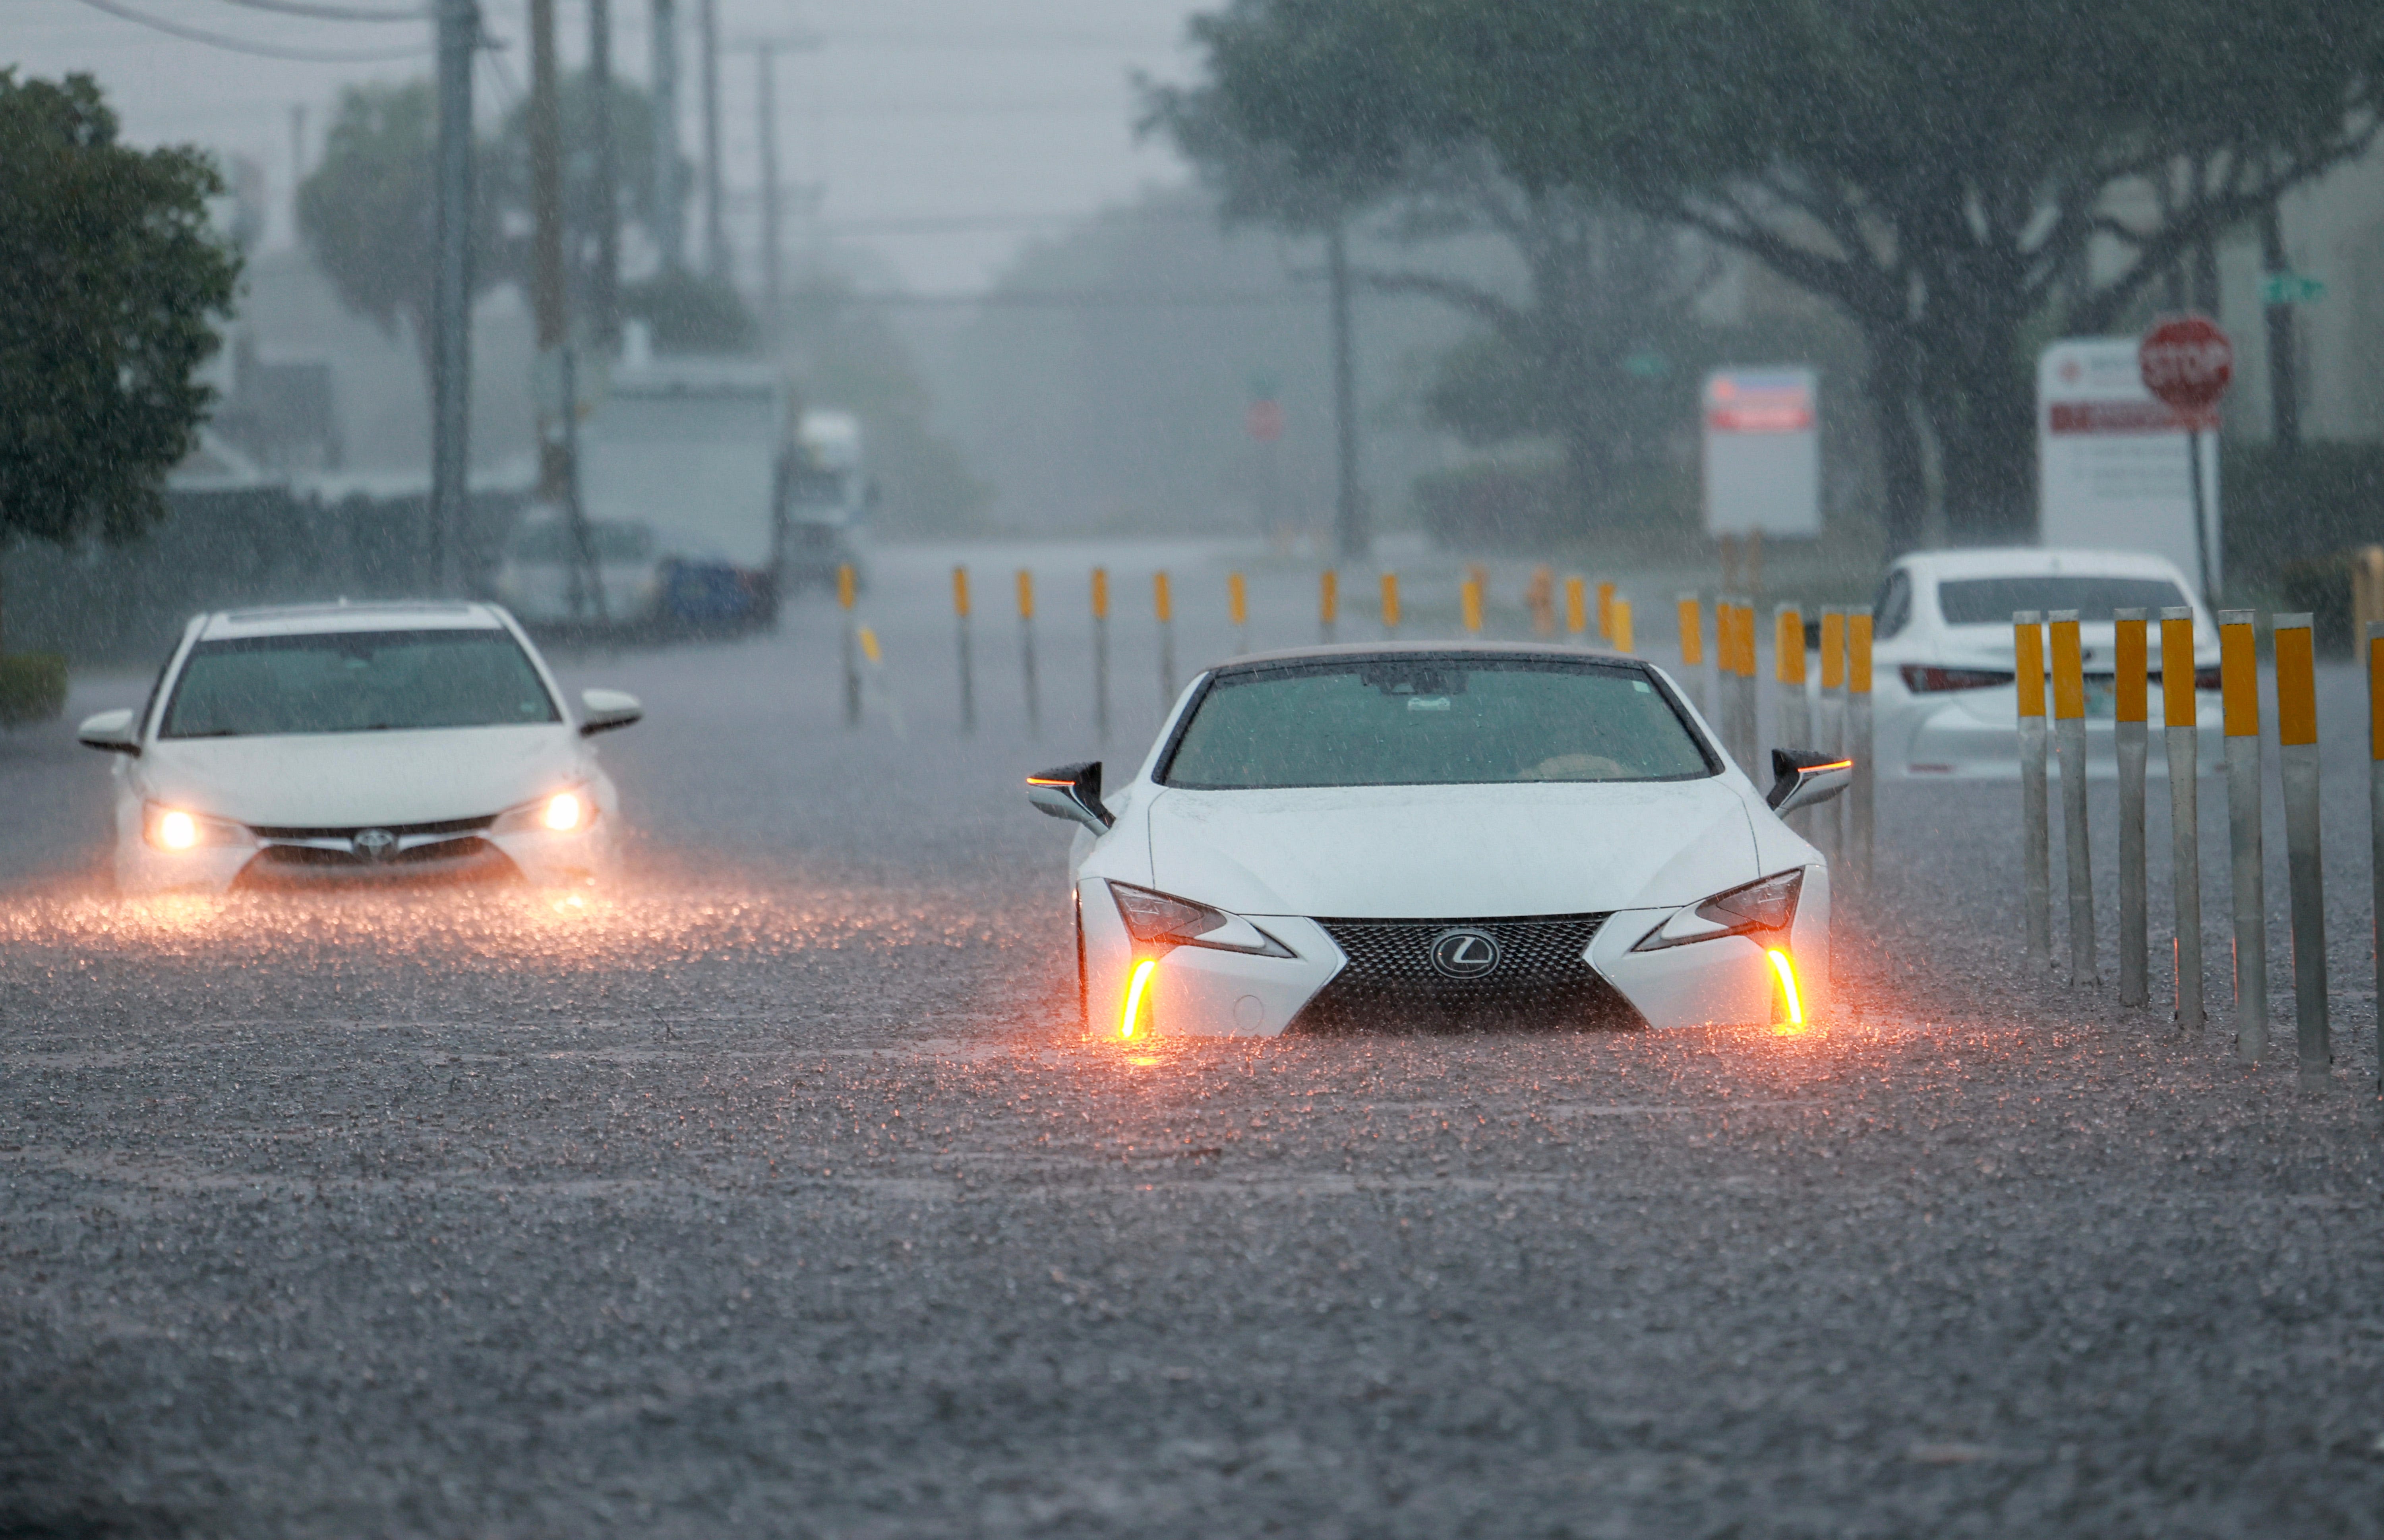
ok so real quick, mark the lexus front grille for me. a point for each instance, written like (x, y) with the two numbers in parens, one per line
(1539, 976)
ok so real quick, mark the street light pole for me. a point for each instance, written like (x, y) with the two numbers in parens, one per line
(669, 210)
(604, 293)
(765, 61)
(715, 234)
(451, 347)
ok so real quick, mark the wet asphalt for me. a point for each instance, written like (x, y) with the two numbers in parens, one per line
(775, 1190)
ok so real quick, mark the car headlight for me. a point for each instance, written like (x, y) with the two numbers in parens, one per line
(568, 810)
(1765, 906)
(1159, 921)
(177, 829)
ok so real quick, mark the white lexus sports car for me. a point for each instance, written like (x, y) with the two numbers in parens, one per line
(1441, 837)
(358, 741)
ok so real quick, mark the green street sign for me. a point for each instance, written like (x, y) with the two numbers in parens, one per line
(2290, 289)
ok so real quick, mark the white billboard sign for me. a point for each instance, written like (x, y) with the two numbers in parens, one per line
(2111, 458)
(1763, 452)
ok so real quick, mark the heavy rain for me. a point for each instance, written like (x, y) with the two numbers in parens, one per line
(1704, 677)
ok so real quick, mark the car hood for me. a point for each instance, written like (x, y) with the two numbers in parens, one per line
(1452, 851)
(348, 780)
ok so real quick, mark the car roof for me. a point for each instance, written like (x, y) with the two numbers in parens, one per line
(2036, 560)
(285, 620)
(1433, 648)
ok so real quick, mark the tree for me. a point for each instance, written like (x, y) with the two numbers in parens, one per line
(110, 276)
(1310, 115)
(368, 210)
(1956, 176)
(507, 169)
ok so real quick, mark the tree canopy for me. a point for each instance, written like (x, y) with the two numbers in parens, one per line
(1956, 176)
(110, 277)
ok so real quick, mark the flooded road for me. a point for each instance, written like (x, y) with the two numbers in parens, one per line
(776, 1191)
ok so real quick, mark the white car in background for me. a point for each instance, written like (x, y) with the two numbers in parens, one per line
(1944, 701)
(1436, 837)
(359, 742)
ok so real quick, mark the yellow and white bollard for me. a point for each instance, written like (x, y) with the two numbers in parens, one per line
(1622, 637)
(1576, 609)
(2239, 667)
(1102, 654)
(1862, 798)
(2036, 832)
(1692, 613)
(1238, 609)
(1469, 603)
(1606, 612)
(2181, 719)
(1831, 729)
(1791, 725)
(1390, 604)
(968, 670)
(2131, 742)
(1328, 603)
(2304, 875)
(2069, 748)
(848, 590)
(1026, 651)
(1162, 605)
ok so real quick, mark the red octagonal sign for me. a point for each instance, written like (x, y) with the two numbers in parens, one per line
(2187, 361)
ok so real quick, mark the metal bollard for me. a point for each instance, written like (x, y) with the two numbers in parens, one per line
(1622, 637)
(848, 589)
(1576, 608)
(1162, 605)
(1102, 654)
(1691, 612)
(1238, 609)
(968, 672)
(1793, 712)
(1390, 605)
(2069, 748)
(2180, 723)
(2239, 663)
(1470, 602)
(2304, 875)
(1026, 649)
(2036, 833)
(2131, 738)
(1606, 612)
(1830, 821)
(1862, 798)
(1328, 604)
(2375, 824)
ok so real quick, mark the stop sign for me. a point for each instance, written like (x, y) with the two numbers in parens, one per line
(1264, 421)
(2187, 361)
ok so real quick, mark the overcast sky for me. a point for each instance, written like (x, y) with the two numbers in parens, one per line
(940, 134)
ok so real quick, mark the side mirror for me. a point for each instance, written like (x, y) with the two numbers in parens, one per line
(603, 710)
(1074, 792)
(1803, 778)
(113, 731)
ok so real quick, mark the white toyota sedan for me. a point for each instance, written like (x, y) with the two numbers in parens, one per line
(350, 742)
(1944, 699)
(1435, 837)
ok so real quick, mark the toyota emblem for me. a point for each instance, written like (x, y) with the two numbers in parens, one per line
(1464, 953)
(373, 844)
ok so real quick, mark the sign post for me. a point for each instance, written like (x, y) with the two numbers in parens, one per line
(2188, 363)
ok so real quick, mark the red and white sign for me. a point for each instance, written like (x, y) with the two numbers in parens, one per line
(1762, 451)
(2111, 457)
(1264, 420)
(2187, 361)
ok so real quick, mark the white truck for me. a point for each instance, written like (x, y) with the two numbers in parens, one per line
(705, 502)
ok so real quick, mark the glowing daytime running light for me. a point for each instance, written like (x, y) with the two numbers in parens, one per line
(563, 811)
(177, 830)
(1782, 964)
(1137, 990)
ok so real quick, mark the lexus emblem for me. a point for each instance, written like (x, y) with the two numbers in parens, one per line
(1464, 953)
(373, 844)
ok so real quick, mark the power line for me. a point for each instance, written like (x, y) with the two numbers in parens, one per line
(259, 50)
(334, 13)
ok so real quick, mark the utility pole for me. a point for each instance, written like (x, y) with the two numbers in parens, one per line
(558, 472)
(604, 293)
(2284, 373)
(766, 64)
(1350, 534)
(669, 210)
(715, 234)
(451, 347)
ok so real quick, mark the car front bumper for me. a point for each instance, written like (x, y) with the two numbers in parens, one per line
(542, 858)
(1730, 981)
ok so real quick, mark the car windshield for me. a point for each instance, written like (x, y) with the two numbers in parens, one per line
(1990, 601)
(1423, 720)
(355, 682)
